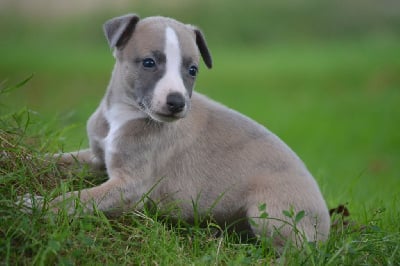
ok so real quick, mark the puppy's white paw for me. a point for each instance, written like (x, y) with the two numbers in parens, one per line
(29, 202)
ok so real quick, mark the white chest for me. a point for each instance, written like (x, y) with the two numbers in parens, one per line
(117, 116)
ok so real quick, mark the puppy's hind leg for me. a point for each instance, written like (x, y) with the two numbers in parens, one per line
(271, 224)
(288, 224)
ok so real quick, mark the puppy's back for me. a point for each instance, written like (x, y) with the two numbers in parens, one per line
(230, 163)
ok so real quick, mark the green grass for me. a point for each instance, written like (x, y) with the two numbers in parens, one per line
(322, 78)
(141, 237)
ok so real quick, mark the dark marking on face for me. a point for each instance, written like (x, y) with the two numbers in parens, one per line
(160, 57)
(188, 80)
(148, 77)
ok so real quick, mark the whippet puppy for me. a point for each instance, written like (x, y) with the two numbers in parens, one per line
(161, 142)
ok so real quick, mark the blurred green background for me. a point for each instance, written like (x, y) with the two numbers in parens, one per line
(323, 75)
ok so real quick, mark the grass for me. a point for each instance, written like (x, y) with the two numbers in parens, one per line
(44, 238)
(326, 81)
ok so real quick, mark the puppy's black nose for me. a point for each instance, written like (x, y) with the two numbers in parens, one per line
(175, 102)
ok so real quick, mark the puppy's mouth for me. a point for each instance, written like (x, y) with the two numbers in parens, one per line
(161, 116)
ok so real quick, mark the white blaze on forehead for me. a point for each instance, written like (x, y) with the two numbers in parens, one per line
(171, 43)
(173, 54)
(172, 81)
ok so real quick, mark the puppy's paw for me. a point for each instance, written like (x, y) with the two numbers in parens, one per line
(30, 202)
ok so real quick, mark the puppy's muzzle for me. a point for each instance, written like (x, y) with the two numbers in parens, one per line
(175, 107)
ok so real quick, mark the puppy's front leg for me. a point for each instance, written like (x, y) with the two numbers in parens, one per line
(79, 157)
(83, 156)
(113, 195)
(120, 192)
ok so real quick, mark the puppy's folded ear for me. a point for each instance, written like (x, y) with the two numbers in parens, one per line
(202, 45)
(118, 30)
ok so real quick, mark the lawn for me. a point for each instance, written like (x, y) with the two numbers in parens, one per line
(333, 98)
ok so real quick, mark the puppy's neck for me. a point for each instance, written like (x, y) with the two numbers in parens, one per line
(118, 114)
(117, 104)
(116, 92)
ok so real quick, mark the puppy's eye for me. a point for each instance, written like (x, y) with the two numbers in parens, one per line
(148, 63)
(193, 71)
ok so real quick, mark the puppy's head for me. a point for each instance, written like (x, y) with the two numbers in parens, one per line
(157, 63)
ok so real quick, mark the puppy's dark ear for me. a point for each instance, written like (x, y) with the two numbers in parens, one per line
(118, 30)
(202, 45)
